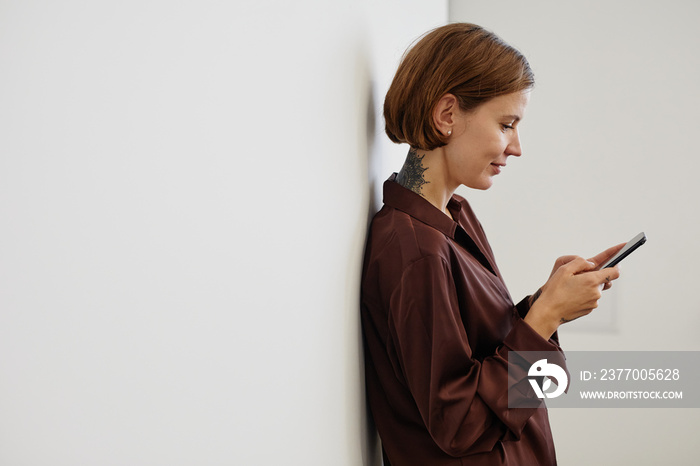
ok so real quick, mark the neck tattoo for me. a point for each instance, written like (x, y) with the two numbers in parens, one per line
(411, 174)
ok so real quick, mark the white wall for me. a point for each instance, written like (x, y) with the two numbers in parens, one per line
(184, 191)
(609, 150)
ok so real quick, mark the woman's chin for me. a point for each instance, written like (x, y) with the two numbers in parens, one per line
(482, 185)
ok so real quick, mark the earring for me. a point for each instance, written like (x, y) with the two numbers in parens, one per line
(449, 132)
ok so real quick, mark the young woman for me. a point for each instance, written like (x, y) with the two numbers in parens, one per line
(437, 317)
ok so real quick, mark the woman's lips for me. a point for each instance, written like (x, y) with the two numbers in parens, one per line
(497, 167)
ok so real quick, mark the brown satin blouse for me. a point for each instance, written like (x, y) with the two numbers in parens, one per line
(438, 323)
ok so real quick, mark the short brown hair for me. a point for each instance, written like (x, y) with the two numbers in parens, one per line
(462, 59)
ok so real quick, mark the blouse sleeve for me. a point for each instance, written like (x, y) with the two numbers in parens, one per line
(462, 401)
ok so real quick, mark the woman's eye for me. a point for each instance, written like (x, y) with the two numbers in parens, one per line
(506, 127)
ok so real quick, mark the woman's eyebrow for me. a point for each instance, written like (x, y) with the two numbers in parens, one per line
(515, 118)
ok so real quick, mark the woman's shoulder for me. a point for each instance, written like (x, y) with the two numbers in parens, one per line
(397, 236)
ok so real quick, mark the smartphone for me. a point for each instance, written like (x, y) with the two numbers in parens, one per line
(631, 245)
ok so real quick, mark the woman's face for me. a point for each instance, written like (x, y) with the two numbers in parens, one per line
(483, 138)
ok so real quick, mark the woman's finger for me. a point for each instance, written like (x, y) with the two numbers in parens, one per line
(579, 265)
(603, 257)
(606, 276)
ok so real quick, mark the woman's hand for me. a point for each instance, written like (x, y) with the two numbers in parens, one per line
(572, 291)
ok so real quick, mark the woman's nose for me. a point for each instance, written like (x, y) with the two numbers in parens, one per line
(514, 148)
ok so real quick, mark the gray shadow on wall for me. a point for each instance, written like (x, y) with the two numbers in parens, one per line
(374, 184)
(371, 454)
(367, 155)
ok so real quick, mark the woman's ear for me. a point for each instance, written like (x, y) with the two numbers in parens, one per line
(444, 114)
